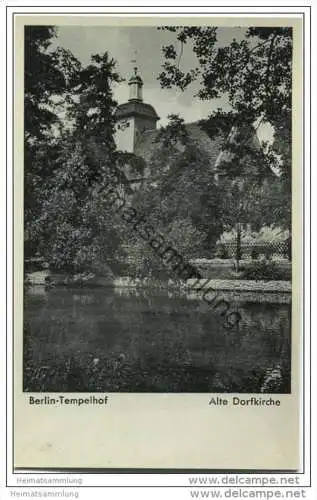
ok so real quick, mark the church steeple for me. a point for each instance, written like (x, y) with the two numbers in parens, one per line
(133, 117)
(135, 86)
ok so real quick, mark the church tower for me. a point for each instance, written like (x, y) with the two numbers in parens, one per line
(133, 117)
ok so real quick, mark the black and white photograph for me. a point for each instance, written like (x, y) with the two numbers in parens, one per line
(158, 209)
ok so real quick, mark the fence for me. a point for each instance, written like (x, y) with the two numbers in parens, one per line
(254, 250)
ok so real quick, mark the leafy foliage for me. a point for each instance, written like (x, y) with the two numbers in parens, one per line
(48, 75)
(255, 73)
(70, 164)
(67, 174)
(266, 271)
(255, 76)
(180, 172)
(48, 78)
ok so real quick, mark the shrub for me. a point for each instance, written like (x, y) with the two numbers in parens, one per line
(222, 252)
(266, 271)
(255, 254)
(268, 253)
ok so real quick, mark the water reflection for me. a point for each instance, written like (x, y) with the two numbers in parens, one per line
(146, 342)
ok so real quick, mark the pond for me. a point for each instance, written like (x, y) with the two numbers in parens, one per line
(105, 340)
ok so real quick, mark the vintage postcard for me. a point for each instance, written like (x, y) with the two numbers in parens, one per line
(158, 268)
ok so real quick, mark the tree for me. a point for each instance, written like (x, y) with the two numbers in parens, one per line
(49, 76)
(180, 172)
(76, 228)
(255, 75)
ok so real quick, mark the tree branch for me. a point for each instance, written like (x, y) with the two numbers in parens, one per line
(180, 54)
(268, 67)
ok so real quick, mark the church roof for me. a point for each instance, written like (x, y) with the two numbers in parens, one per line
(136, 108)
(212, 147)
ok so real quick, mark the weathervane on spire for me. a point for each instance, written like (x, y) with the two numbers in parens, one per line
(135, 62)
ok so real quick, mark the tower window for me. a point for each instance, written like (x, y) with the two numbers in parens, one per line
(123, 125)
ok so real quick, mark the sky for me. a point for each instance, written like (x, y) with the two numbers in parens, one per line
(145, 45)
